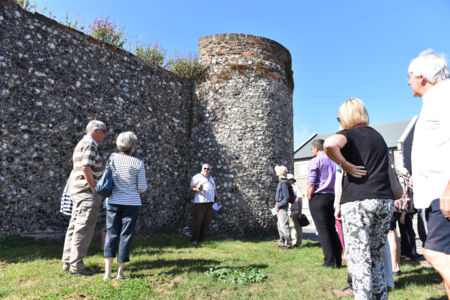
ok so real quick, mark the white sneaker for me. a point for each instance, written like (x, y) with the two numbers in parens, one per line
(106, 278)
(65, 267)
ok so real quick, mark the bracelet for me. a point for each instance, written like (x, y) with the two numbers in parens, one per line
(340, 165)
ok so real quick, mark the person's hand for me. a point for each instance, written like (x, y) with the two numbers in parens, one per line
(355, 171)
(444, 202)
(218, 202)
(337, 213)
(277, 209)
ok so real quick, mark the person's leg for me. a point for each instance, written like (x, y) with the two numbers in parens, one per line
(208, 211)
(83, 231)
(363, 224)
(298, 231)
(108, 268)
(394, 246)
(411, 235)
(387, 263)
(357, 244)
(437, 245)
(113, 228)
(69, 234)
(283, 220)
(333, 237)
(129, 219)
(382, 213)
(293, 230)
(199, 215)
(421, 226)
(322, 212)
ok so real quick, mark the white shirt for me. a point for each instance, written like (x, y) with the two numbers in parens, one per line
(293, 207)
(431, 146)
(209, 186)
(129, 180)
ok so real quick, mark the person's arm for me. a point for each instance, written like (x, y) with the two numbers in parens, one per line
(338, 195)
(444, 201)
(89, 176)
(217, 197)
(284, 196)
(332, 147)
(310, 190)
(193, 186)
(142, 182)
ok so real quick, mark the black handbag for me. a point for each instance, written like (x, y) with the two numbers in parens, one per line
(303, 220)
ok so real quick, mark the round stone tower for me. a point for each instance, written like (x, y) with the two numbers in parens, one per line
(242, 125)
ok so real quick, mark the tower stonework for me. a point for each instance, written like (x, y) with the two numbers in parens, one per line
(242, 126)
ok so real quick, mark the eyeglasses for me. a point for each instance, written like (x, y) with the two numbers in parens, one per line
(103, 130)
(411, 76)
(338, 119)
(205, 168)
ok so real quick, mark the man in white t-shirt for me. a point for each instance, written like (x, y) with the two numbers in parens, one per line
(204, 187)
(429, 79)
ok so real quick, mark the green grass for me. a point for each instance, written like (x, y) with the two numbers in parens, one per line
(166, 266)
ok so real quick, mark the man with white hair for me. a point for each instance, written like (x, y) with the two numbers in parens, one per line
(87, 170)
(204, 187)
(429, 79)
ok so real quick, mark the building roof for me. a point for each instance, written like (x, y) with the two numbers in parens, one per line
(391, 132)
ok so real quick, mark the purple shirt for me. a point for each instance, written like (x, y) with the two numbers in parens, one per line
(322, 173)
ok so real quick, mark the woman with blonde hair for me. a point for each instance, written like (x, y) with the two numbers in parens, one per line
(367, 203)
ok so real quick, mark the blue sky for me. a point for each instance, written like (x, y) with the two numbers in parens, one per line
(340, 49)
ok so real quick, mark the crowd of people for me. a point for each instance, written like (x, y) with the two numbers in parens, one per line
(369, 184)
(351, 189)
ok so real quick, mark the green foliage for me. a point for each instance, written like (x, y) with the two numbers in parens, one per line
(188, 67)
(153, 53)
(106, 31)
(26, 4)
(237, 275)
(73, 23)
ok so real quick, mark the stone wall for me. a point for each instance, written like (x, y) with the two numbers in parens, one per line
(55, 79)
(242, 125)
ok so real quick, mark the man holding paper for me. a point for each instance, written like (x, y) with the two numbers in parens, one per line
(204, 187)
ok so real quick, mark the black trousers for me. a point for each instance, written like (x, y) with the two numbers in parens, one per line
(322, 212)
(202, 217)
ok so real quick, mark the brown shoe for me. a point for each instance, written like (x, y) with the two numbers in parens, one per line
(345, 292)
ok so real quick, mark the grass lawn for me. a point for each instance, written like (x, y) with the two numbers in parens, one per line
(166, 266)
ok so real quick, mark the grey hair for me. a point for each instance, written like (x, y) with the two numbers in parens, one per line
(126, 141)
(281, 170)
(432, 67)
(318, 143)
(94, 124)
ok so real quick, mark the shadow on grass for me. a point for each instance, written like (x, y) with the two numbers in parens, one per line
(420, 276)
(177, 266)
(15, 248)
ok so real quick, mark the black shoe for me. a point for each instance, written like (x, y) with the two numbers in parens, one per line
(397, 273)
(84, 272)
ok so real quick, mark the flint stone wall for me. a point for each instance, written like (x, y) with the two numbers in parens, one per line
(55, 79)
(242, 124)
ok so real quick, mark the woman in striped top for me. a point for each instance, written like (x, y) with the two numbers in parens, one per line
(122, 209)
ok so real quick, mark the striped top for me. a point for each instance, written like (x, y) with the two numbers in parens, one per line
(85, 154)
(129, 179)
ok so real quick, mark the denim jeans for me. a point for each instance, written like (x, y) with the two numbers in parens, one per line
(120, 224)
